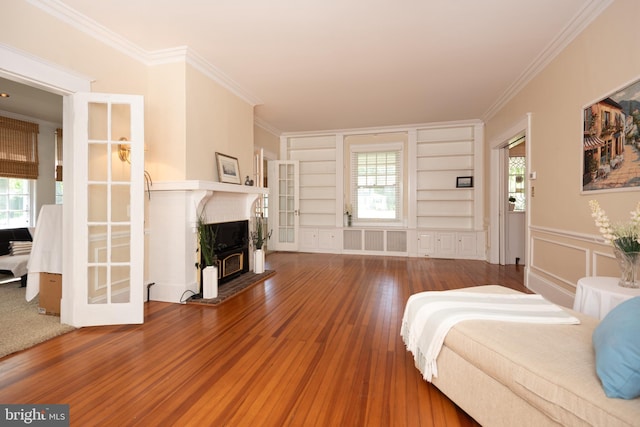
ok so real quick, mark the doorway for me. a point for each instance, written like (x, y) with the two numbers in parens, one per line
(498, 190)
(24, 69)
(91, 116)
(515, 213)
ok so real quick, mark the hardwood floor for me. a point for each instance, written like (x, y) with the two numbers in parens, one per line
(318, 344)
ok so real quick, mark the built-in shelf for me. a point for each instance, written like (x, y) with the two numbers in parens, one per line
(443, 154)
(437, 155)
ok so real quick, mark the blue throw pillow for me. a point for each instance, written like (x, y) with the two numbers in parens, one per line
(616, 341)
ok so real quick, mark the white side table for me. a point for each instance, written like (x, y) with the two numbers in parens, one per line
(596, 296)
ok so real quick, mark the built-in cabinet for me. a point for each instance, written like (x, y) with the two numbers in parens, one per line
(443, 206)
(318, 240)
(447, 244)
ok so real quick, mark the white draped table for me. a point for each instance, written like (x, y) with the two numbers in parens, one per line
(597, 295)
(46, 250)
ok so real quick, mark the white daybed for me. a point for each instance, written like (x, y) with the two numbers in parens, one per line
(508, 374)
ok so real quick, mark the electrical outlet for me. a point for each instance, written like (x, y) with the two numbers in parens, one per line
(533, 191)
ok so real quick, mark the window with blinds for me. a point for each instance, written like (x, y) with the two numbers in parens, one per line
(376, 183)
(18, 149)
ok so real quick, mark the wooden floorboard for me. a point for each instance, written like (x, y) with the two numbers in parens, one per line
(318, 344)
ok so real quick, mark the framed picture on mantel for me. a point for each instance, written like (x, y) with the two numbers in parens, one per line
(228, 169)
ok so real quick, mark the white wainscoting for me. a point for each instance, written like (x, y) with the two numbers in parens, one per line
(559, 258)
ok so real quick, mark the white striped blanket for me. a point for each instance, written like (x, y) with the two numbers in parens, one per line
(428, 316)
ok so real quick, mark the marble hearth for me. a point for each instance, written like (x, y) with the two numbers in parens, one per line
(172, 239)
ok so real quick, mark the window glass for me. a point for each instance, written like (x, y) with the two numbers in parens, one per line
(376, 185)
(59, 192)
(517, 182)
(15, 203)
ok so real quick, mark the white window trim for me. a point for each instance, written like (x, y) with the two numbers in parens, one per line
(368, 148)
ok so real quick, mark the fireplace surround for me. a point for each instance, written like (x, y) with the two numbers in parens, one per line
(173, 211)
(231, 249)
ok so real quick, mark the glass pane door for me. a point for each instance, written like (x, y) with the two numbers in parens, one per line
(284, 188)
(108, 219)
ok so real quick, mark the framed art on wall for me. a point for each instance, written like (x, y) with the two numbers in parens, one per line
(610, 141)
(228, 169)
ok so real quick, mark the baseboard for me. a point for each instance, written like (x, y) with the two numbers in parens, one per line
(549, 290)
(168, 292)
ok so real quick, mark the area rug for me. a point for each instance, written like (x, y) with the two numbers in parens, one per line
(22, 326)
(234, 287)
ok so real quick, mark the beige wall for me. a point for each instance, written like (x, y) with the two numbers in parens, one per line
(165, 122)
(562, 248)
(217, 121)
(266, 140)
(187, 115)
(29, 29)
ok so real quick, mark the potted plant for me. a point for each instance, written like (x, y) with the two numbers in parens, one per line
(348, 215)
(512, 203)
(258, 238)
(208, 263)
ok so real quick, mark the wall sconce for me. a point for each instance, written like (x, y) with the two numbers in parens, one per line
(124, 154)
(124, 151)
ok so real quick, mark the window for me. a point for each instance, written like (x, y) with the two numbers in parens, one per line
(376, 183)
(517, 181)
(606, 120)
(15, 202)
(59, 192)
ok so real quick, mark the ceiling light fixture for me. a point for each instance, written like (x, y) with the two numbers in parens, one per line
(4, 95)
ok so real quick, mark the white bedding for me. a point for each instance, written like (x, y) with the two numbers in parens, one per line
(428, 317)
(16, 264)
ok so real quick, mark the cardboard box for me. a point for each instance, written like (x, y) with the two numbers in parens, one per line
(50, 293)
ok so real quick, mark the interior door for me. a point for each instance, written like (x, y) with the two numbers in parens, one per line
(103, 210)
(284, 191)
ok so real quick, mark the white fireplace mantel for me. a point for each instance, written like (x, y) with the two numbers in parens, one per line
(194, 185)
(202, 192)
(174, 209)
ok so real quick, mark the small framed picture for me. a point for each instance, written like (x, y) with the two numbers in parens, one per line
(228, 169)
(464, 182)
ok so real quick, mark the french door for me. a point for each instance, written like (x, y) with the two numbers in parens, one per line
(103, 210)
(284, 214)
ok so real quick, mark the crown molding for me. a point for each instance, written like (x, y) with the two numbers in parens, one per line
(266, 126)
(386, 129)
(214, 73)
(579, 22)
(88, 26)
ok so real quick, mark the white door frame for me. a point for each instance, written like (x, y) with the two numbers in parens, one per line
(22, 67)
(498, 195)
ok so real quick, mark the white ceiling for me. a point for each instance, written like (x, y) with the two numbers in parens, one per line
(337, 64)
